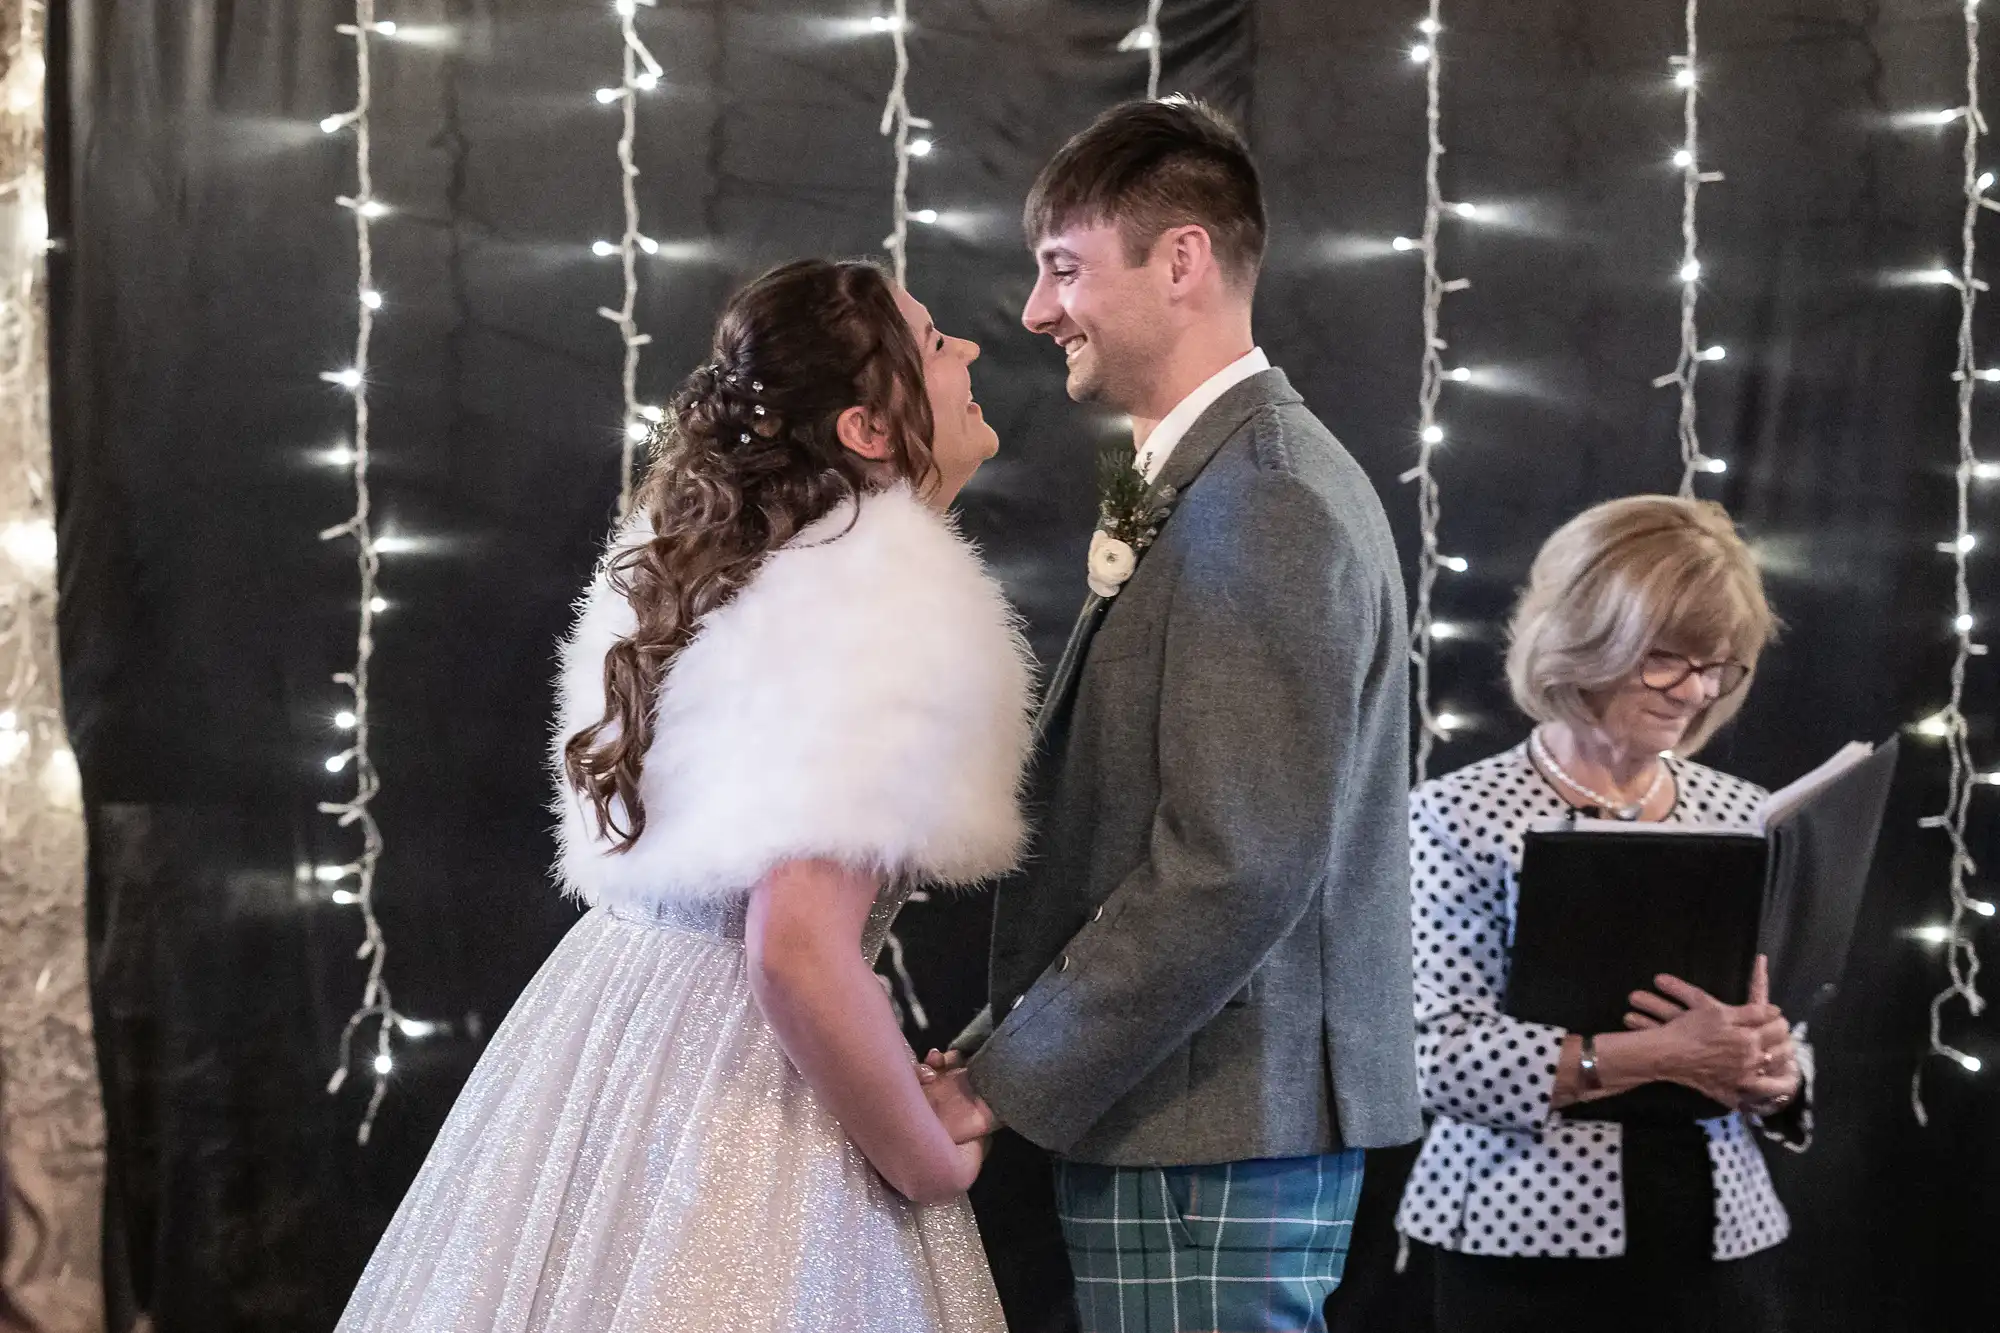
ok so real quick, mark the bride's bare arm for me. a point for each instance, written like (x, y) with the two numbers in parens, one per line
(803, 942)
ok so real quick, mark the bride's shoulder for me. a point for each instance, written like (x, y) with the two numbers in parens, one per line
(885, 578)
(886, 546)
(882, 575)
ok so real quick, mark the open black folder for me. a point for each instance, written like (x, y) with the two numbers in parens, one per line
(1606, 905)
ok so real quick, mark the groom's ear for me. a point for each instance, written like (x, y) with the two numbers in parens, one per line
(1190, 255)
(863, 432)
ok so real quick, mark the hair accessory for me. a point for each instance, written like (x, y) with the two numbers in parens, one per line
(756, 386)
(758, 410)
(746, 437)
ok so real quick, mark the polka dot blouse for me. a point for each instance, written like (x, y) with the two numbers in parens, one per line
(1501, 1172)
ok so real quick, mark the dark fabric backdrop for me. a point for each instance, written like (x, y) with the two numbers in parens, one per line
(207, 279)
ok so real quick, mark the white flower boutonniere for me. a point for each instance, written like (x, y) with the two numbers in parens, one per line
(1129, 517)
(1111, 563)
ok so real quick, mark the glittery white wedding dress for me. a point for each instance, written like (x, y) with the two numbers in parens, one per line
(634, 1153)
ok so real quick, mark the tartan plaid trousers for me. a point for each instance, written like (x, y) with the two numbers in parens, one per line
(1239, 1247)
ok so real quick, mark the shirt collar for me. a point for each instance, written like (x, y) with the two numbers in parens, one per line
(1153, 454)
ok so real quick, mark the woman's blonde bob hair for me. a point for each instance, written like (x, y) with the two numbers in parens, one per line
(1625, 577)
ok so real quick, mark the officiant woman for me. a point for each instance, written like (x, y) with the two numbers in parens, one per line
(1635, 640)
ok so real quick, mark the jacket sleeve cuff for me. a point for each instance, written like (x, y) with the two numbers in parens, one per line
(1500, 1074)
(975, 1033)
(1009, 1093)
(1793, 1126)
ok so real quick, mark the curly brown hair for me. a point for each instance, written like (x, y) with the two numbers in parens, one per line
(749, 457)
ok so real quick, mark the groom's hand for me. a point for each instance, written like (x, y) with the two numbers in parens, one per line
(965, 1114)
(938, 1062)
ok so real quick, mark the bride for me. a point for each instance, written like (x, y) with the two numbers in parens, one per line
(792, 694)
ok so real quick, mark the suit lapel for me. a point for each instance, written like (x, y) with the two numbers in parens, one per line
(1210, 431)
(1062, 682)
(1213, 428)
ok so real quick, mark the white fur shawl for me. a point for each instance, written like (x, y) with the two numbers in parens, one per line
(863, 698)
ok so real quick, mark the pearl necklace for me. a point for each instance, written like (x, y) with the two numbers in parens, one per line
(1628, 813)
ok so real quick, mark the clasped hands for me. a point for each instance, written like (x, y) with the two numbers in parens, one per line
(948, 1088)
(1739, 1055)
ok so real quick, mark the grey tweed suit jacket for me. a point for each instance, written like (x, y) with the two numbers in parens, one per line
(1207, 956)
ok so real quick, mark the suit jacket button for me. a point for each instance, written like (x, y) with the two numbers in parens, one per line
(1064, 967)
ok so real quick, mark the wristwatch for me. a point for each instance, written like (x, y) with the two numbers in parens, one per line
(1592, 1079)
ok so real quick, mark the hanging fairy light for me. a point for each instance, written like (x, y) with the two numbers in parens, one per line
(639, 73)
(1688, 159)
(897, 122)
(356, 756)
(1432, 725)
(1949, 724)
(1146, 37)
(907, 1004)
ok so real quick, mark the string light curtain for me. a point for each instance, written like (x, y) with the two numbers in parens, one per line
(640, 73)
(897, 123)
(1432, 724)
(1688, 158)
(1146, 37)
(1961, 953)
(355, 812)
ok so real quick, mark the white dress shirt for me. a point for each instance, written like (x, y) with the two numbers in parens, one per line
(1152, 455)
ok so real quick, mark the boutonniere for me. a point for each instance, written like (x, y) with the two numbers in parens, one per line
(1129, 515)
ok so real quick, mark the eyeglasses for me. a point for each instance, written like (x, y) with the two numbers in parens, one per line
(1665, 671)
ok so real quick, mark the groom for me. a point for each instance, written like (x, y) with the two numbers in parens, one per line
(1201, 1000)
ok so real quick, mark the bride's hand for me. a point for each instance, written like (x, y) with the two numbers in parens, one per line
(965, 1114)
(971, 1157)
(930, 1072)
(936, 1063)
